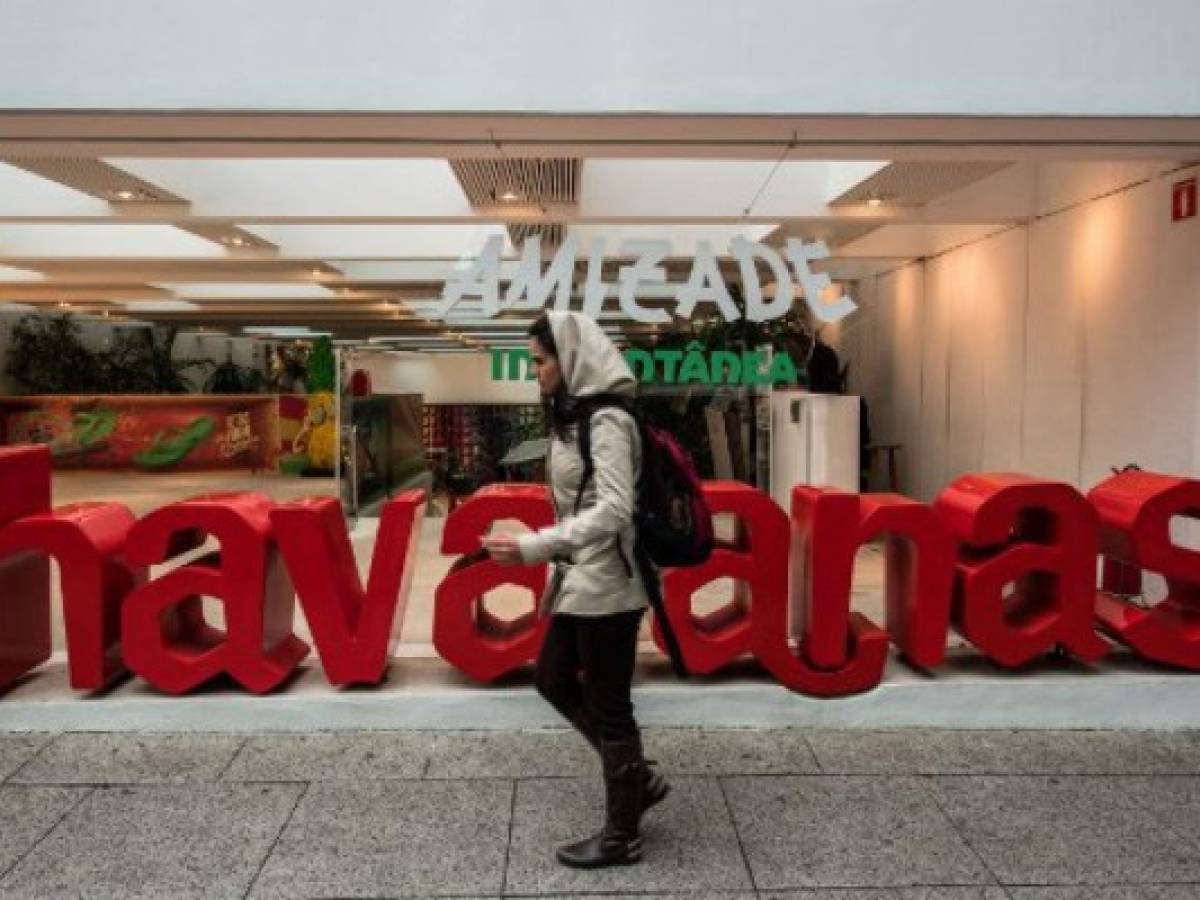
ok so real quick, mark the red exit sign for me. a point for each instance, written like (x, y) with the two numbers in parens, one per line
(1183, 200)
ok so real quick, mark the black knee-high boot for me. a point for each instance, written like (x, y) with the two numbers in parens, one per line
(655, 787)
(619, 842)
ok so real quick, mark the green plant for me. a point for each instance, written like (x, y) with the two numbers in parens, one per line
(231, 378)
(321, 366)
(47, 356)
(140, 362)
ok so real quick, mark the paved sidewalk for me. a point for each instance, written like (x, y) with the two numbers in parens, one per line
(918, 815)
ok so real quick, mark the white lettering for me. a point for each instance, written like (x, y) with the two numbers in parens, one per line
(705, 285)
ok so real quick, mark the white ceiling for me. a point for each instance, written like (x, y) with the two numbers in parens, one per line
(345, 243)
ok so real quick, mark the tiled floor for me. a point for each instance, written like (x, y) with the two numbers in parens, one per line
(848, 815)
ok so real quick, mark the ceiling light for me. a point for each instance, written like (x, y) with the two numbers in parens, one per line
(875, 200)
(509, 196)
(160, 305)
(283, 330)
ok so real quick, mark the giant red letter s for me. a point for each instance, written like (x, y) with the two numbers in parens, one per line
(1136, 509)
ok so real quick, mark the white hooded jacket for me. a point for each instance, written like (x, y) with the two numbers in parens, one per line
(593, 549)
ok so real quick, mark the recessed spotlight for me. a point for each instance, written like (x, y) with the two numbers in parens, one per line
(509, 196)
(126, 194)
(875, 200)
(237, 240)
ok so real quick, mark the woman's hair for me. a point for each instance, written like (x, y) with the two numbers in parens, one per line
(557, 407)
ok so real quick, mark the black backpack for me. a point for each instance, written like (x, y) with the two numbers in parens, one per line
(672, 522)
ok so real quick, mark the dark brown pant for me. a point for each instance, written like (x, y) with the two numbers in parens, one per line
(586, 665)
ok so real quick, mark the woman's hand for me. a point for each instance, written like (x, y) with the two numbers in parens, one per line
(503, 548)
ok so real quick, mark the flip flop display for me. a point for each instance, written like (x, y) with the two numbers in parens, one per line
(172, 446)
(89, 430)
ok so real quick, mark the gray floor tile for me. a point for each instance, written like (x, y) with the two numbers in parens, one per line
(836, 831)
(1124, 892)
(1052, 830)
(130, 759)
(920, 752)
(1186, 745)
(914, 893)
(331, 755)
(690, 844)
(694, 751)
(18, 749)
(511, 754)
(952, 893)
(831, 894)
(1175, 802)
(388, 838)
(157, 841)
(701, 895)
(28, 813)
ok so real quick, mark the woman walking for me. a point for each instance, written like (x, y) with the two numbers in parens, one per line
(596, 597)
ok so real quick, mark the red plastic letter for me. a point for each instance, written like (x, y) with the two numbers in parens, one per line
(478, 644)
(355, 631)
(24, 575)
(758, 565)
(1135, 510)
(824, 538)
(1038, 535)
(87, 540)
(165, 638)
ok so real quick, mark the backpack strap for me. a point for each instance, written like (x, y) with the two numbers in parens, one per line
(583, 436)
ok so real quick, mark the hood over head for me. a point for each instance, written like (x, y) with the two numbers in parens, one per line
(590, 362)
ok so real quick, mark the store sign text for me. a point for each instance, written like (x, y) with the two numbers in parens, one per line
(692, 365)
(533, 286)
(950, 565)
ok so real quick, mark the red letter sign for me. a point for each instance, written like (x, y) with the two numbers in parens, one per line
(478, 644)
(24, 575)
(87, 540)
(839, 652)
(918, 571)
(355, 631)
(1039, 536)
(165, 637)
(1135, 511)
(711, 642)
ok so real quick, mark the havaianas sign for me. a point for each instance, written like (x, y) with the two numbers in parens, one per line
(674, 366)
(531, 287)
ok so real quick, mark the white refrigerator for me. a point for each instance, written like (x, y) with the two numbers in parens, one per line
(814, 440)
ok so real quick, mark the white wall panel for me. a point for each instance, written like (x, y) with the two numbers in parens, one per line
(1140, 331)
(1058, 349)
(1053, 388)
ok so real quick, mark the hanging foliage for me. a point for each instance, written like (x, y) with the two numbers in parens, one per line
(231, 378)
(47, 356)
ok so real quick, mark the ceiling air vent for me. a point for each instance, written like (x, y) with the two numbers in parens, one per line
(504, 180)
(916, 183)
